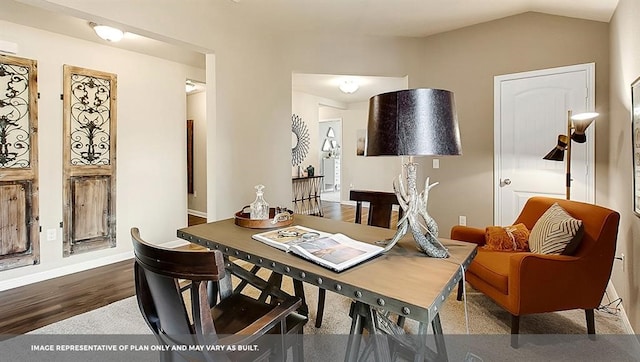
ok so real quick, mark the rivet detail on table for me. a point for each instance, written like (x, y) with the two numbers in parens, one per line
(361, 283)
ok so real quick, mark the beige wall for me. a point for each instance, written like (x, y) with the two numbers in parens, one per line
(151, 145)
(466, 62)
(625, 68)
(249, 98)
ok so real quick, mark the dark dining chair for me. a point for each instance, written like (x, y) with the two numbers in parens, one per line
(380, 207)
(235, 320)
(380, 214)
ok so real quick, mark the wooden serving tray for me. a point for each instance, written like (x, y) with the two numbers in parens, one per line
(243, 219)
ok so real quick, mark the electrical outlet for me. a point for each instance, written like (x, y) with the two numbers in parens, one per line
(51, 234)
(462, 220)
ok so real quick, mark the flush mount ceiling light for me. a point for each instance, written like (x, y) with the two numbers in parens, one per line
(107, 33)
(348, 86)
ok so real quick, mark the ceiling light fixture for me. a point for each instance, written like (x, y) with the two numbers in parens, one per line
(189, 86)
(107, 33)
(348, 86)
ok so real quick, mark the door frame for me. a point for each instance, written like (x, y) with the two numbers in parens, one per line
(321, 137)
(589, 68)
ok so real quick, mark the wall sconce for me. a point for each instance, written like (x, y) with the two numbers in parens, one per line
(348, 86)
(107, 33)
(578, 124)
(326, 146)
(331, 133)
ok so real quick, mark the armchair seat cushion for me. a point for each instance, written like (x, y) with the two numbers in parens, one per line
(493, 268)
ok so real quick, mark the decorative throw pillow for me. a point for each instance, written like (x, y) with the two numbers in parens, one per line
(507, 238)
(555, 232)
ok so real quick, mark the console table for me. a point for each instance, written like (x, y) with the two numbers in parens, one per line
(306, 195)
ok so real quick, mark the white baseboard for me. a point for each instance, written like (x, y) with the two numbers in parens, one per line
(613, 294)
(64, 270)
(197, 213)
(78, 267)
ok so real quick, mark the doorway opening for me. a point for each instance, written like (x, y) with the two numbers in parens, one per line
(196, 151)
(318, 99)
(330, 136)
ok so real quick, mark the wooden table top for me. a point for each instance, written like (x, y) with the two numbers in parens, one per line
(404, 280)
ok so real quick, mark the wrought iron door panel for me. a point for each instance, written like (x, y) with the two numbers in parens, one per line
(19, 224)
(89, 160)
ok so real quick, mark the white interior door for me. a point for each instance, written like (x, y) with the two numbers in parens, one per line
(530, 112)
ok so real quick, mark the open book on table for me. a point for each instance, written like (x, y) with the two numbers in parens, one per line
(334, 251)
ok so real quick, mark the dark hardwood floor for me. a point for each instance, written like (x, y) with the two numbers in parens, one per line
(32, 306)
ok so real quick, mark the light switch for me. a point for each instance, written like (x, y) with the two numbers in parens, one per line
(436, 163)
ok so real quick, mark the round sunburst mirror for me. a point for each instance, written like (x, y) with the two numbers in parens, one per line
(299, 140)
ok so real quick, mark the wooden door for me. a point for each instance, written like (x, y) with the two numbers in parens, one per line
(531, 111)
(89, 160)
(19, 221)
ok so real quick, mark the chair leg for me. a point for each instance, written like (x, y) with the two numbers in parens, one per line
(296, 342)
(515, 329)
(460, 290)
(591, 323)
(320, 310)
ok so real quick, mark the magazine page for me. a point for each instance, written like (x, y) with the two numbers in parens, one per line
(337, 251)
(285, 237)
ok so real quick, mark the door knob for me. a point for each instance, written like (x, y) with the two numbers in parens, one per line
(506, 182)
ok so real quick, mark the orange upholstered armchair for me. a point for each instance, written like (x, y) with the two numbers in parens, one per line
(527, 282)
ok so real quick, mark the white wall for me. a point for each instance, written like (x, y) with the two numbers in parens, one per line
(305, 106)
(151, 144)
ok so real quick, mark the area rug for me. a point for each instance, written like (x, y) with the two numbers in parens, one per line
(478, 331)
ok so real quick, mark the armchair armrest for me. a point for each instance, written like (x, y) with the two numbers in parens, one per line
(539, 279)
(469, 234)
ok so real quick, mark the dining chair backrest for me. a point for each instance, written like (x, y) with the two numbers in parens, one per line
(380, 206)
(157, 274)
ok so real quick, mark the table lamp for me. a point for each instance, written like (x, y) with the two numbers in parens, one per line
(578, 123)
(414, 122)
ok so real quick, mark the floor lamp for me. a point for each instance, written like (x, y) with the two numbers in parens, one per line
(414, 122)
(578, 124)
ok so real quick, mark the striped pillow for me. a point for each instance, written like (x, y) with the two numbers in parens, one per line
(555, 231)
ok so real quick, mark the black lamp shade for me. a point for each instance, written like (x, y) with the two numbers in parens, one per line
(557, 153)
(414, 122)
